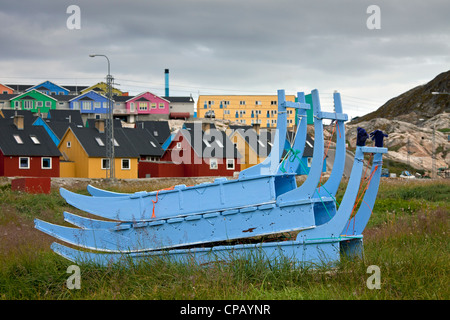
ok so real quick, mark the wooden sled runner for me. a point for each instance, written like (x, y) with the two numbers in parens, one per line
(196, 223)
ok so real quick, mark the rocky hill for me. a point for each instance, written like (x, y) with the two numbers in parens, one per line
(417, 123)
(404, 137)
(417, 104)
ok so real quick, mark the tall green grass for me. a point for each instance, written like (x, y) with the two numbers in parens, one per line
(407, 238)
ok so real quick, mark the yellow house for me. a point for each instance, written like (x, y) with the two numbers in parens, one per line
(246, 109)
(252, 143)
(84, 155)
(102, 88)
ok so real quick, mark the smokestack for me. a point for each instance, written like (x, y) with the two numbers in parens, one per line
(166, 72)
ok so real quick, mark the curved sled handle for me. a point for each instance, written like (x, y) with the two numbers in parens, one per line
(292, 165)
(357, 224)
(333, 227)
(307, 189)
(331, 186)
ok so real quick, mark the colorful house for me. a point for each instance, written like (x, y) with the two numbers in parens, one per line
(4, 89)
(197, 151)
(246, 109)
(26, 151)
(253, 144)
(102, 88)
(147, 103)
(33, 100)
(49, 88)
(90, 102)
(84, 153)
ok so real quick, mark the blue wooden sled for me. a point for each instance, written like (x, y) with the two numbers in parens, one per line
(197, 223)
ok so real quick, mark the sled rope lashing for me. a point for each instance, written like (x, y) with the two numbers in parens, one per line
(328, 147)
(364, 180)
(156, 200)
(293, 155)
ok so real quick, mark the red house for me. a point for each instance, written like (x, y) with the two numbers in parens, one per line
(26, 151)
(196, 151)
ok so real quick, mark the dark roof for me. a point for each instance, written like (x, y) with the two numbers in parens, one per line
(179, 99)
(87, 138)
(65, 116)
(20, 87)
(10, 147)
(59, 128)
(63, 97)
(90, 123)
(143, 142)
(213, 142)
(8, 96)
(121, 98)
(75, 88)
(29, 118)
(159, 129)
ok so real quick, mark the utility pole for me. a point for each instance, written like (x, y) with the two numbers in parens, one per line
(433, 156)
(109, 123)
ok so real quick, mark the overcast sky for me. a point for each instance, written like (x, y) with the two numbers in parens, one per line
(231, 47)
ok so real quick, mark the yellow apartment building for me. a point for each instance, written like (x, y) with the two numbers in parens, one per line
(246, 109)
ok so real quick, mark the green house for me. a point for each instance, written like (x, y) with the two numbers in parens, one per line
(34, 101)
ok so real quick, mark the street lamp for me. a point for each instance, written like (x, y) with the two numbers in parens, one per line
(109, 123)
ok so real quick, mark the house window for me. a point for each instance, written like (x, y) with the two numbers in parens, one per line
(24, 163)
(86, 105)
(48, 104)
(69, 144)
(35, 139)
(178, 145)
(125, 164)
(155, 133)
(75, 105)
(161, 105)
(46, 163)
(132, 107)
(18, 139)
(230, 164)
(105, 163)
(39, 104)
(213, 165)
(258, 103)
(143, 106)
(153, 105)
(99, 141)
(28, 104)
(97, 105)
(309, 162)
(242, 103)
(16, 104)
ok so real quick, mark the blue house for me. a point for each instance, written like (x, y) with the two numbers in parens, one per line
(50, 88)
(90, 102)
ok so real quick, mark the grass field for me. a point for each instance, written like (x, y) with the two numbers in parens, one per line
(407, 238)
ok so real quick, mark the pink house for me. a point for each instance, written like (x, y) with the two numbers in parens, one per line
(147, 103)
